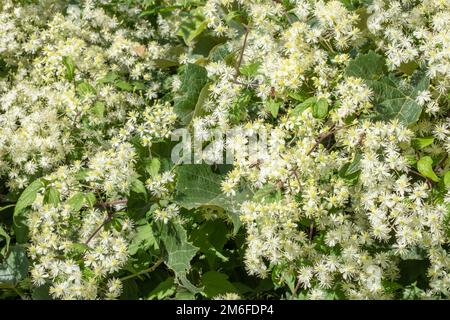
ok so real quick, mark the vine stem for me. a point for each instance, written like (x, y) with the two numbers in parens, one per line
(241, 55)
(148, 270)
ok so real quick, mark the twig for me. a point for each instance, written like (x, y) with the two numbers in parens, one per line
(322, 137)
(106, 206)
(311, 230)
(241, 56)
(148, 270)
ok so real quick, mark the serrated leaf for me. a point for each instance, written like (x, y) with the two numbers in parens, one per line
(179, 251)
(193, 79)
(394, 102)
(369, 66)
(197, 186)
(425, 167)
(14, 268)
(25, 200)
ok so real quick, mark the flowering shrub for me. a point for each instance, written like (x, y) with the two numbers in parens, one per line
(345, 196)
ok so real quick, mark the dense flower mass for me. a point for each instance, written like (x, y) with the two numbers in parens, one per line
(339, 187)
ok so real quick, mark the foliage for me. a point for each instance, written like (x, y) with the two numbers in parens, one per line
(350, 199)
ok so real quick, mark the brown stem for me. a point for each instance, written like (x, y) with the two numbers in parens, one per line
(311, 230)
(241, 56)
(108, 218)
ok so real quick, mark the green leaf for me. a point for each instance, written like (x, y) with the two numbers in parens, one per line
(25, 200)
(5, 235)
(90, 199)
(320, 109)
(143, 239)
(14, 268)
(153, 167)
(52, 196)
(109, 78)
(69, 63)
(250, 69)
(197, 186)
(85, 89)
(99, 109)
(369, 66)
(163, 290)
(447, 179)
(76, 201)
(179, 251)
(425, 167)
(392, 99)
(193, 79)
(420, 143)
(273, 107)
(123, 85)
(199, 109)
(395, 102)
(216, 283)
(138, 186)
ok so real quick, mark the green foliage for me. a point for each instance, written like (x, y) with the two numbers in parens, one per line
(14, 267)
(193, 78)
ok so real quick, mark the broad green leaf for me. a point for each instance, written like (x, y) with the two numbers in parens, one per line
(85, 89)
(14, 268)
(193, 79)
(392, 99)
(143, 239)
(395, 102)
(123, 85)
(250, 69)
(420, 143)
(163, 290)
(273, 107)
(109, 78)
(69, 63)
(90, 199)
(369, 66)
(52, 196)
(447, 179)
(197, 186)
(153, 167)
(216, 283)
(199, 109)
(320, 109)
(425, 167)
(179, 251)
(25, 200)
(138, 186)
